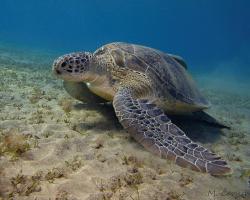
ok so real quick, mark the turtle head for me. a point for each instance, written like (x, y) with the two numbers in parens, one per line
(73, 67)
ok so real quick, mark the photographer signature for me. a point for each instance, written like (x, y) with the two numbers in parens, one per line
(214, 194)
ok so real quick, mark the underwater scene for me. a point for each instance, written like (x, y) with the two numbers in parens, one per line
(125, 100)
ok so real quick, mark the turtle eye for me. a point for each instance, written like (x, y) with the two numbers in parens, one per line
(63, 64)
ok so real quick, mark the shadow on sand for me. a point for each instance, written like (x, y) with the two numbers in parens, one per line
(197, 130)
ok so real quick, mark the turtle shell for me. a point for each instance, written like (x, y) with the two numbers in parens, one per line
(171, 80)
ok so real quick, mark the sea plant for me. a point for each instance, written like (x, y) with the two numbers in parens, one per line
(13, 143)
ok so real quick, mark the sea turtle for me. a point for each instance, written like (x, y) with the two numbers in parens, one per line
(144, 86)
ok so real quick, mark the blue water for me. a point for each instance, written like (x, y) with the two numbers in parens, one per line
(213, 36)
(204, 32)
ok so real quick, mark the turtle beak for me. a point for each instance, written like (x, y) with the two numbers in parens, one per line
(57, 72)
(56, 68)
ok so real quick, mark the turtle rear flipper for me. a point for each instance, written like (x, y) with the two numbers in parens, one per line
(154, 130)
(205, 117)
(81, 92)
(179, 59)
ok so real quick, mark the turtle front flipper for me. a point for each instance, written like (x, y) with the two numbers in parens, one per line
(154, 130)
(81, 92)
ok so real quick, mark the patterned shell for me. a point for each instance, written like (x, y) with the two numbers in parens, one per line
(171, 80)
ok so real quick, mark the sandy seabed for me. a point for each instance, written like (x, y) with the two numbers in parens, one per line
(55, 147)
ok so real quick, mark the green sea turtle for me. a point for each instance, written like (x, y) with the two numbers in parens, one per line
(144, 86)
